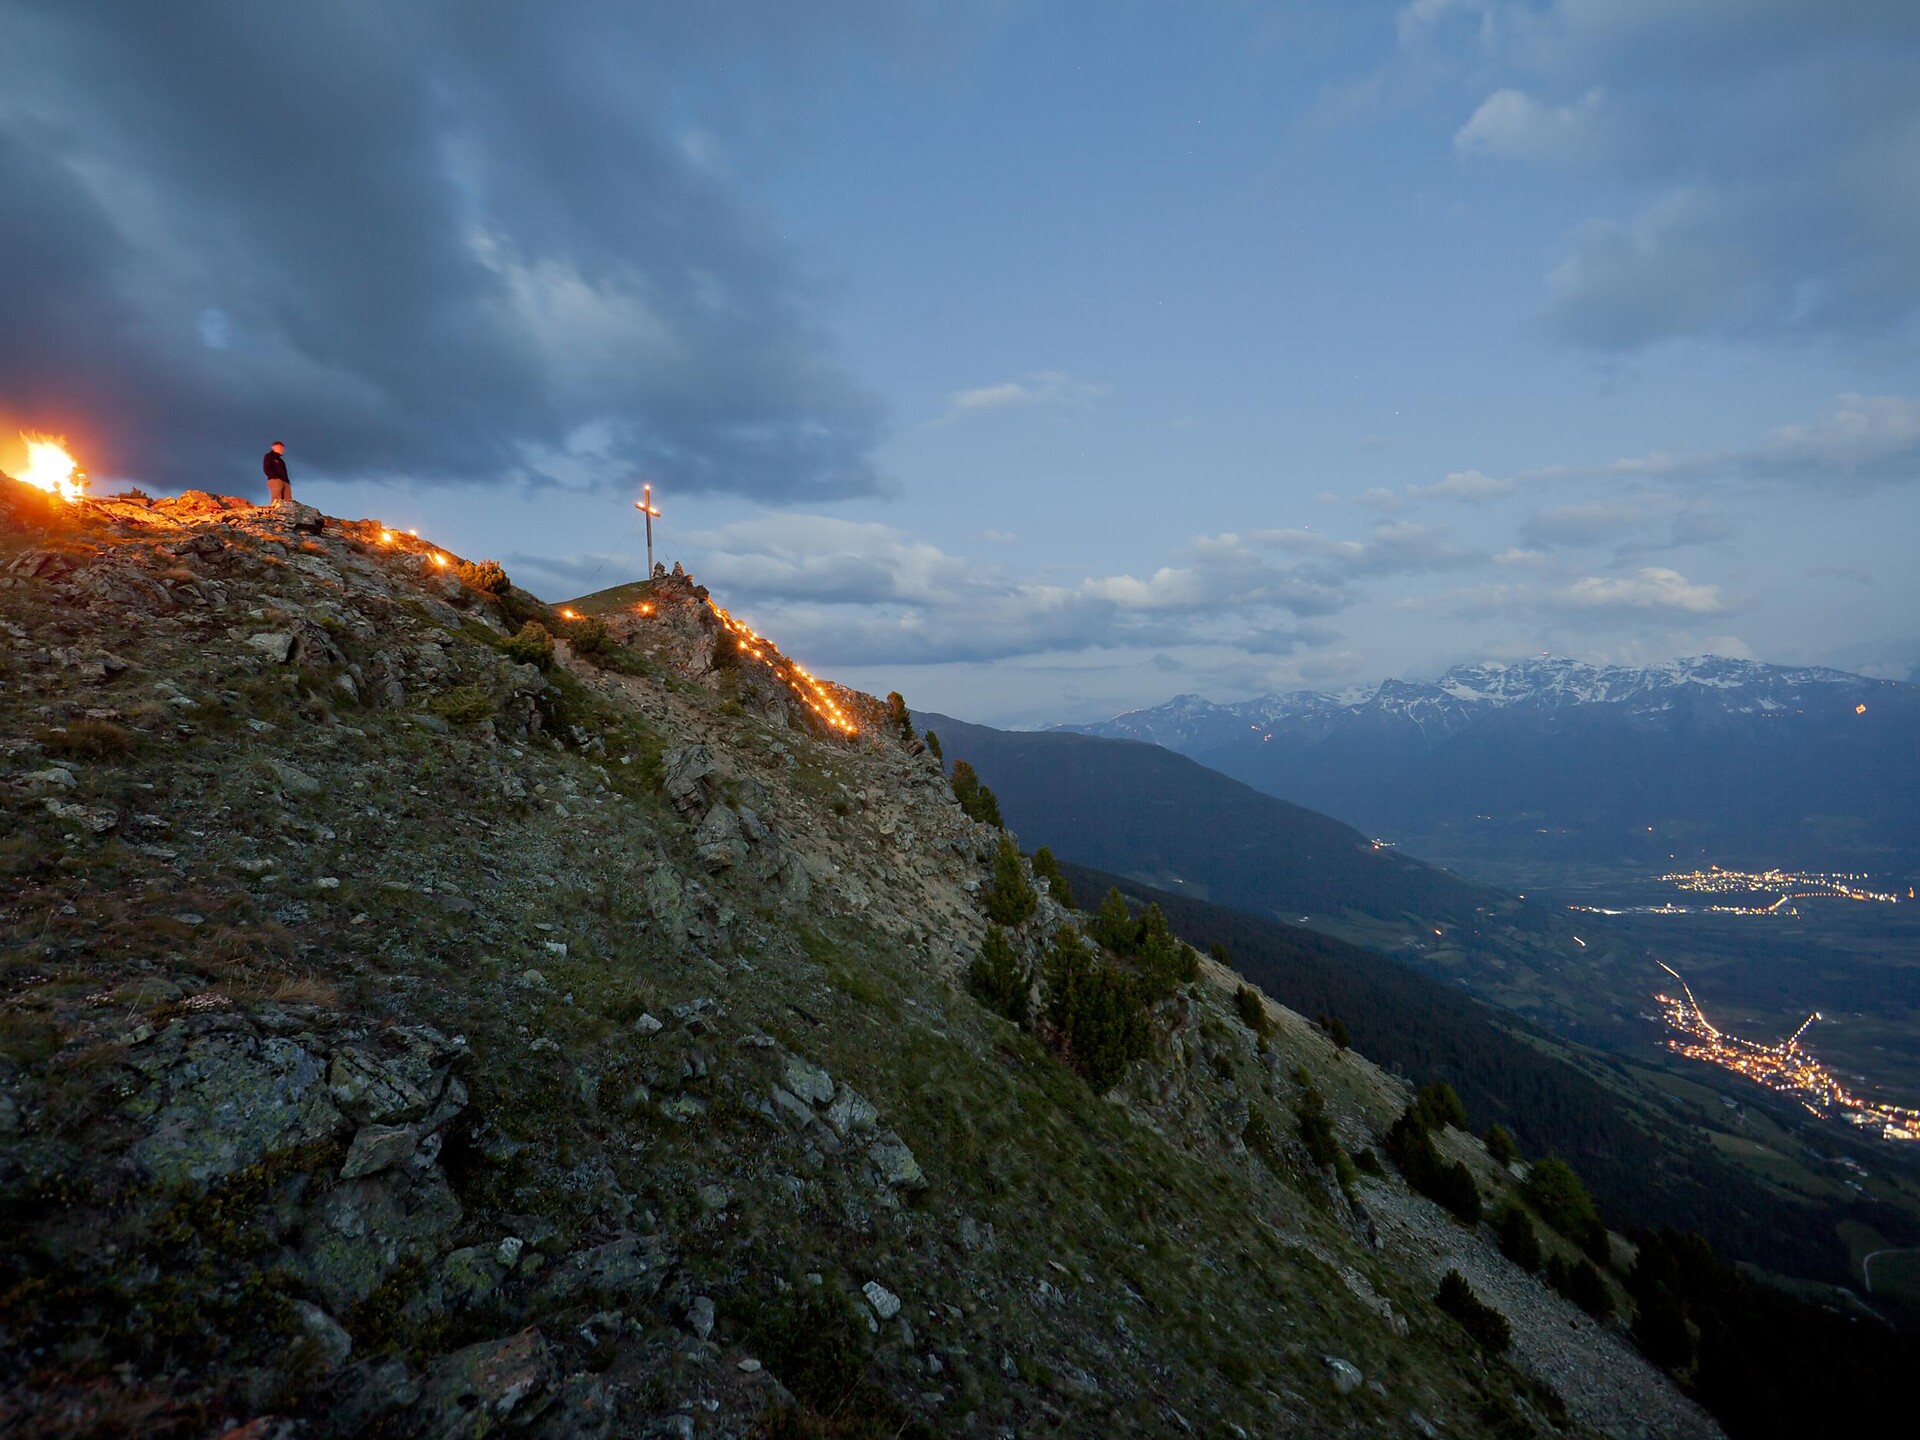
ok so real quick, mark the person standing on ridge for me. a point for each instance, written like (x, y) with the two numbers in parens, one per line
(274, 463)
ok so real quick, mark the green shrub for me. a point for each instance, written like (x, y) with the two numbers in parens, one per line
(1010, 899)
(1252, 1010)
(1581, 1283)
(532, 646)
(813, 1339)
(1487, 1326)
(1163, 961)
(1316, 1131)
(590, 637)
(1446, 1182)
(1336, 1029)
(487, 576)
(933, 744)
(899, 716)
(1519, 1241)
(463, 705)
(1097, 1014)
(1439, 1106)
(1258, 1137)
(1500, 1145)
(1046, 868)
(1660, 1326)
(1555, 1191)
(1000, 979)
(976, 800)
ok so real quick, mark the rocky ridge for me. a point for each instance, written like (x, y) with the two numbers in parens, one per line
(413, 1028)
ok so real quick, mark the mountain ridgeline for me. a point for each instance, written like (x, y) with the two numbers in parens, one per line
(1709, 757)
(1165, 820)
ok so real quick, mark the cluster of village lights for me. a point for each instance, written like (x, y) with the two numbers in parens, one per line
(1784, 1067)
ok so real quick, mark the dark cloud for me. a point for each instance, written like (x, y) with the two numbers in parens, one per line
(456, 242)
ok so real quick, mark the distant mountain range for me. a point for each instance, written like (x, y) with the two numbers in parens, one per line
(1701, 757)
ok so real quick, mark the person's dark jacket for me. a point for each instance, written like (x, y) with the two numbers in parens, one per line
(275, 466)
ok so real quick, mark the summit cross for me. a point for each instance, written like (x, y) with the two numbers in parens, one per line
(645, 506)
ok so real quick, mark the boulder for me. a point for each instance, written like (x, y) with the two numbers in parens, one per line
(885, 1303)
(361, 1229)
(850, 1113)
(1346, 1377)
(228, 1100)
(683, 775)
(95, 818)
(301, 518)
(371, 1092)
(377, 1148)
(807, 1080)
(323, 1339)
(896, 1163)
(619, 1273)
(485, 1386)
(276, 645)
(719, 842)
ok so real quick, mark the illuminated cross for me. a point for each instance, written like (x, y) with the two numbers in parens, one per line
(645, 506)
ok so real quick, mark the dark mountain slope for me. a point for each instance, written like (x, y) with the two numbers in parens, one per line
(1159, 817)
(1555, 1098)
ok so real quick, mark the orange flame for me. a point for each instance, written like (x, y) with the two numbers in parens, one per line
(51, 468)
(806, 687)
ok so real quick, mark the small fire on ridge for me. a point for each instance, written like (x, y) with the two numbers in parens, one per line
(50, 468)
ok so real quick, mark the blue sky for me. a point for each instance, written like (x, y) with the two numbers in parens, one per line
(1038, 361)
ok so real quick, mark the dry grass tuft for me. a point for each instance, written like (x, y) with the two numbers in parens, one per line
(305, 990)
(88, 740)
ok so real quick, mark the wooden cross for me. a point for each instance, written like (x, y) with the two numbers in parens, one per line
(645, 506)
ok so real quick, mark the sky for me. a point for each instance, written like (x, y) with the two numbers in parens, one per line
(1038, 361)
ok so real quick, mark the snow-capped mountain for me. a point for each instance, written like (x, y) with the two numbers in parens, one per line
(1552, 746)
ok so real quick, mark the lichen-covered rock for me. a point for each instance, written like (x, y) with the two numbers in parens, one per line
(379, 1147)
(895, 1162)
(807, 1080)
(325, 1342)
(230, 1100)
(361, 1229)
(621, 1272)
(683, 775)
(485, 1387)
(371, 1092)
(851, 1113)
(718, 842)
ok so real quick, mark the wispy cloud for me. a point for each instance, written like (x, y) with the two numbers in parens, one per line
(1045, 389)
